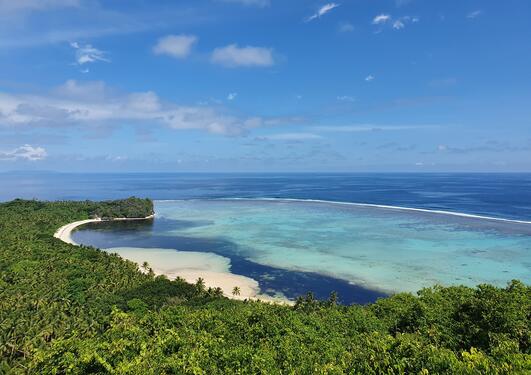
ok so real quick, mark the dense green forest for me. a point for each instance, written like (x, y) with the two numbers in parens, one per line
(123, 208)
(68, 309)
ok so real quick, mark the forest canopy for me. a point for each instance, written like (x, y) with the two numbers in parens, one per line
(68, 309)
(123, 208)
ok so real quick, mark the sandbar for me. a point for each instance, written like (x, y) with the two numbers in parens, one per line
(188, 265)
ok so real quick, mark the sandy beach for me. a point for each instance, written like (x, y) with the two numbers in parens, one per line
(191, 265)
(64, 233)
(188, 265)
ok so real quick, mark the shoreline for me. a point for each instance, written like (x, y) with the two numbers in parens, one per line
(65, 232)
(213, 277)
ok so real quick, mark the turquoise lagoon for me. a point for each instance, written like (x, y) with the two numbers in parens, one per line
(381, 248)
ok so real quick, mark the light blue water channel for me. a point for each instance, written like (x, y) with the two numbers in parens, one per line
(380, 248)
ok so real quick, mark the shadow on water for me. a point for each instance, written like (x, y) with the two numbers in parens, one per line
(151, 234)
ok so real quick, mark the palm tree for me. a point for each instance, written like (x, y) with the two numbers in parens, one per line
(145, 266)
(333, 299)
(236, 291)
(200, 285)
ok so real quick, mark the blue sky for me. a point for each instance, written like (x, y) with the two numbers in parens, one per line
(265, 85)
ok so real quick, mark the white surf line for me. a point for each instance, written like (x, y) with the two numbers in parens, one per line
(65, 232)
(400, 208)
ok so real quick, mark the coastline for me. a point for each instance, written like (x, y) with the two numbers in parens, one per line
(189, 266)
(65, 232)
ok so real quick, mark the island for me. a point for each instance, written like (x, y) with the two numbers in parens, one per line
(77, 309)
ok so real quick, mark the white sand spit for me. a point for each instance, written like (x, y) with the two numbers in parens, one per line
(188, 265)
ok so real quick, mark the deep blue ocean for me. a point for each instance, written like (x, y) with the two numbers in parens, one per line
(499, 195)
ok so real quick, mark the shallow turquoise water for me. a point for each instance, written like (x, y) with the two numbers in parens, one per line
(380, 248)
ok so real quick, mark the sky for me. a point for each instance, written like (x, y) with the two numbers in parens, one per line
(265, 85)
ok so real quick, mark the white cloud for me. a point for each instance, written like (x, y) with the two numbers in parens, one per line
(291, 137)
(370, 78)
(94, 105)
(346, 27)
(398, 24)
(259, 3)
(395, 23)
(322, 11)
(116, 159)
(25, 152)
(346, 98)
(88, 54)
(234, 56)
(144, 102)
(178, 46)
(381, 19)
(401, 22)
(474, 14)
(232, 96)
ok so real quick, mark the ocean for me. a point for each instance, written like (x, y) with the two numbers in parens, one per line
(500, 195)
(295, 233)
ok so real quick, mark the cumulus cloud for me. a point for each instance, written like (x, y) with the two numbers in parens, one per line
(232, 96)
(322, 11)
(369, 78)
(25, 152)
(381, 19)
(88, 54)
(234, 56)
(177, 46)
(144, 102)
(396, 23)
(259, 3)
(401, 22)
(474, 14)
(87, 90)
(94, 105)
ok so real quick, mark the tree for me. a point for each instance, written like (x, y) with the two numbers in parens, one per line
(333, 299)
(200, 285)
(145, 266)
(236, 291)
